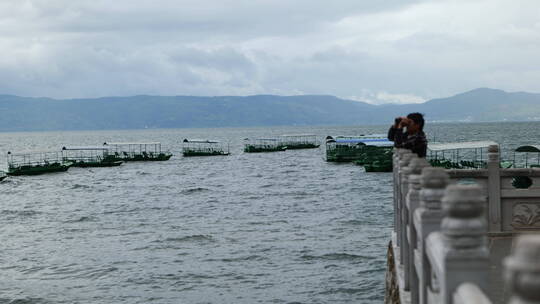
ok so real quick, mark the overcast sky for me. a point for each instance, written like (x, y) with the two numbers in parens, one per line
(376, 51)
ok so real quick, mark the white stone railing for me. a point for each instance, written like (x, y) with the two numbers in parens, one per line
(469, 293)
(509, 209)
(447, 236)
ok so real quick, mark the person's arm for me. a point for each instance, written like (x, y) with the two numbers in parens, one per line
(399, 138)
(395, 129)
(392, 133)
(420, 146)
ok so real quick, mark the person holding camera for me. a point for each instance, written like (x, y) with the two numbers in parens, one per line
(408, 133)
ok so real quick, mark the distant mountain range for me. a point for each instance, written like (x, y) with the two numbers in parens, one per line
(137, 112)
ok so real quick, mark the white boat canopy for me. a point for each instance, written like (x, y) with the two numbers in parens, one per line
(460, 145)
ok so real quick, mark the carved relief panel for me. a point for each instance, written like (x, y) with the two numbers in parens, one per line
(526, 215)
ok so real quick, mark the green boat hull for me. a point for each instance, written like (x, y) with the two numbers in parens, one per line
(83, 164)
(251, 149)
(36, 170)
(340, 159)
(378, 168)
(141, 157)
(344, 154)
(215, 153)
(301, 146)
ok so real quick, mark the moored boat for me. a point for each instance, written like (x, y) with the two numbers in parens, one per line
(203, 147)
(376, 158)
(3, 175)
(90, 157)
(137, 151)
(353, 148)
(460, 155)
(299, 141)
(527, 157)
(34, 163)
(258, 145)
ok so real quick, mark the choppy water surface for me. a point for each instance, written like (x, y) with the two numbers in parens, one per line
(282, 227)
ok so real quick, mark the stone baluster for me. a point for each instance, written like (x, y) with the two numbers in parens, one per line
(494, 189)
(412, 202)
(427, 218)
(459, 253)
(400, 160)
(522, 271)
(404, 189)
(395, 173)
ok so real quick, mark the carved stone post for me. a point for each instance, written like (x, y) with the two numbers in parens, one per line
(522, 271)
(427, 218)
(395, 172)
(404, 188)
(412, 203)
(459, 252)
(494, 189)
(402, 160)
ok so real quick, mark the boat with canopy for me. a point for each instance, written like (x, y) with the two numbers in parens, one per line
(375, 158)
(137, 151)
(299, 141)
(35, 162)
(527, 156)
(203, 147)
(352, 148)
(460, 155)
(90, 157)
(257, 145)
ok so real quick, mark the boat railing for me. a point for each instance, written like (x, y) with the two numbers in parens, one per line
(81, 158)
(33, 159)
(299, 139)
(203, 149)
(452, 228)
(262, 146)
(94, 154)
(135, 148)
(263, 142)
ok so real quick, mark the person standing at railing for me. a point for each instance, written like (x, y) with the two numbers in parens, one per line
(413, 138)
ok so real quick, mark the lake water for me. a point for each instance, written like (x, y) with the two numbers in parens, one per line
(284, 227)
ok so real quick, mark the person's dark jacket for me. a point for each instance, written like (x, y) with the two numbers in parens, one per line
(417, 143)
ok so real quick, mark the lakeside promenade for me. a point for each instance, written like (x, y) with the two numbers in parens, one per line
(463, 235)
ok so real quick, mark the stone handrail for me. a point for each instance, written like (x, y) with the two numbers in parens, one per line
(523, 271)
(459, 251)
(440, 239)
(469, 293)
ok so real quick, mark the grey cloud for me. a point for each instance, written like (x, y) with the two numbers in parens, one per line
(384, 51)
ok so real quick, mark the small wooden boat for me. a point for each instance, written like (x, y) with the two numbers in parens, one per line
(34, 163)
(89, 157)
(203, 147)
(299, 141)
(142, 151)
(3, 175)
(259, 145)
